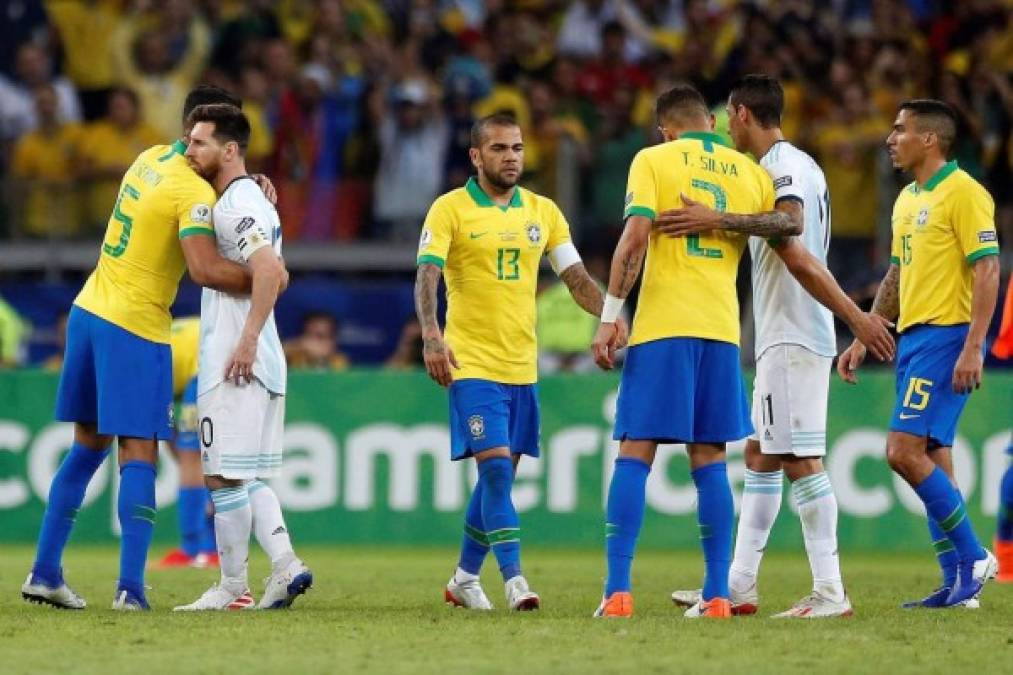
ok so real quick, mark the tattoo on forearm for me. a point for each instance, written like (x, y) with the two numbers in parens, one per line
(887, 302)
(769, 224)
(629, 270)
(427, 280)
(583, 288)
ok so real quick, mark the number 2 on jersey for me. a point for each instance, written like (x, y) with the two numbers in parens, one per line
(720, 203)
(125, 220)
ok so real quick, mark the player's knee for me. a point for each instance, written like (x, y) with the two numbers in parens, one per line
(138, 450)
(900, 458)
(797, 468)
(88, 436)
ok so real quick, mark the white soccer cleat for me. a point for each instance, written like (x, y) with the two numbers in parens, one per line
(519, 597)
(467, 594)
(817, 606)
(62, 597)
(282, 588)
(219, 599)
(744, 603)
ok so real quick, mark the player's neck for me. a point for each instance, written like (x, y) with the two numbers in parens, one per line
(927, 168)
(497, 195)
(763, 140)
(227, 174)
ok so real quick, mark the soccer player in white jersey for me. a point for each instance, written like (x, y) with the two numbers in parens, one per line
(241, 381)
(795, 346)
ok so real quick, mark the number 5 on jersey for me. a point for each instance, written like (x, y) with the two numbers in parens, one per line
(124, 219)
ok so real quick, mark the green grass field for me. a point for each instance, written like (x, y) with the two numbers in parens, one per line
(381, 610)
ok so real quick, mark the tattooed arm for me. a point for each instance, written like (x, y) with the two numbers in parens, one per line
(438, 356)
(626, 264)
(583, 288)
(785, 220)
(887, 305)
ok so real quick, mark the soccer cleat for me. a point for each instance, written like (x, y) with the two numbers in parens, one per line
(282, 588)
(519, 597)
(744, 603)
(817, 606)
(619, 605)
(467, 594)
(219, 599)
(128, 601)
(937, 599)
(715, 608)
(971, 578)
(177, 557)
(62, 597)
(204, 561)
(1004, 553)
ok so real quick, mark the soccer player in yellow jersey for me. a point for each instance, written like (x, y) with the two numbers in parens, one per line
(681, 382)
(941, 288)
(117, 373)
(487, 239)
(197, 537)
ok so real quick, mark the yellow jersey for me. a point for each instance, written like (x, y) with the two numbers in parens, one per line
(939, 230)
(184, 340)
(688, 287)
(161, 201)
(490, 256)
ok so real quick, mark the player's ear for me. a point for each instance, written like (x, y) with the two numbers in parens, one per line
(476, 157)
(712, 122)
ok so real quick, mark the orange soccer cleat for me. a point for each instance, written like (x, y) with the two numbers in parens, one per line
(619, 605)
(177, 557)
(716, 608)
(1004, 552)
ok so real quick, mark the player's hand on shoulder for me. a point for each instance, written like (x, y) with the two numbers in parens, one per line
(849, 361)
(968, 370)
(694, 217)
(603, 347)
(240, 365)
(266, 186)
(873, 331)
(439, 359)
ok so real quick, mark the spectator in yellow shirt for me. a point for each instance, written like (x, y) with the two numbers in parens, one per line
(317, 347)
(108, 147)
(45, 193)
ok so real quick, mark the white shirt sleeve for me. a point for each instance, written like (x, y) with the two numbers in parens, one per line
(788, 183)
(244, 228)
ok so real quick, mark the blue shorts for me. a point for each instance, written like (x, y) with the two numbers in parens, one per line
(114, 379)
(186, 420)
(485, 415)
(682, 390)
(926, 404)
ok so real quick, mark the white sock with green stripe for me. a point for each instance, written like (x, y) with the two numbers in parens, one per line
(269, 524)
(761, 501)
(817, 508)
(233, 522)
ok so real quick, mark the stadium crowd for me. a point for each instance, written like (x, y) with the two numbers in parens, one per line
(361, 108)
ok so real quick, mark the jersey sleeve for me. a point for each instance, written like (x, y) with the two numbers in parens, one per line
(437, 233)
(786, 181)
(973, 218)
(194, 201)
(245, 228)
(559, 229)
(641, 189)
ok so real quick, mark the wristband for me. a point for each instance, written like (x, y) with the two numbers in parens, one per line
(611, 308)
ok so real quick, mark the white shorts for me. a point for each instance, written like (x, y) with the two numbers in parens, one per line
(790, 401)
(241, 431)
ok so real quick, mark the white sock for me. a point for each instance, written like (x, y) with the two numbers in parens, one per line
(817, 508)
(232, 534)
(269, 524)
(761, 501)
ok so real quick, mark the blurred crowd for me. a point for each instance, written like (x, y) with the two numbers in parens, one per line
(361, 108)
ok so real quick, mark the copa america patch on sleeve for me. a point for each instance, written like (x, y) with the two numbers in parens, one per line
(200, 213)
(987, 236)
(782, 182)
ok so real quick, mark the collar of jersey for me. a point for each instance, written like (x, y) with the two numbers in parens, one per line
(482, 199)
(705, 136)
(938, 177)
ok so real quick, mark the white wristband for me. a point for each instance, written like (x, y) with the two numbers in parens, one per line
(611, 308)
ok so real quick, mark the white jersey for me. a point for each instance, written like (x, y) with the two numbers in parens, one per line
(784, 312)
(244, 222)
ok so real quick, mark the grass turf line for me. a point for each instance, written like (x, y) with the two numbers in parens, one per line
(380, 610)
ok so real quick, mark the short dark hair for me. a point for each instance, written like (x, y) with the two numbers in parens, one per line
(935, 116)
(499, 119)
(206, 94)
(761, 95)
(683, 102)
(123, 91)
(230, 123)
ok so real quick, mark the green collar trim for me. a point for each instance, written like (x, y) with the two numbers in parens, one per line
(482, 199)
(705, 136)
(941, 175)
(177, 148)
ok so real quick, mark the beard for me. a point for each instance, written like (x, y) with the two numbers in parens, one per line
(501, 181)
(208, 172)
